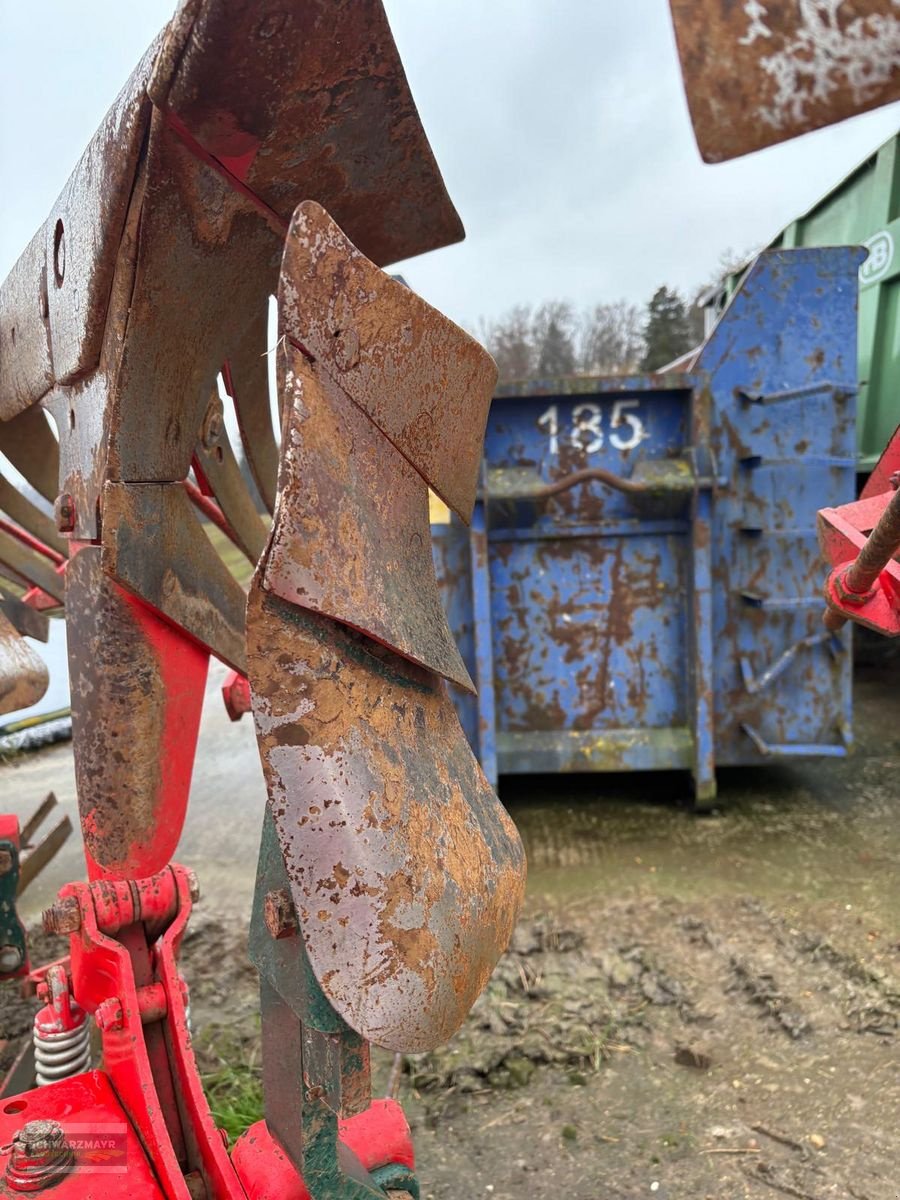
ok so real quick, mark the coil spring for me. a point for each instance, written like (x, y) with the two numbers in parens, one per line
(60, 1055)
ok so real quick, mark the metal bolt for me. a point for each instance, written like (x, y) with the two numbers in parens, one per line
(846, 594)
(63, 917)
(895, 480)
(64, 511)
(39, 1156)
(6, 862)
(10, 959)
(213, 424)
(110, 1015)
(279, 914)
(346, 350)
(193, 886)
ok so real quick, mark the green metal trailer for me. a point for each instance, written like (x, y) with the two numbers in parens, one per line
(863, 209)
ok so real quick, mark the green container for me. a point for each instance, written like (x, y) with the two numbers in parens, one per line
(864, 209)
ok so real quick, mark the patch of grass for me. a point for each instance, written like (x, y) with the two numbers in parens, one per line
(235, 1099)
(232, 1082)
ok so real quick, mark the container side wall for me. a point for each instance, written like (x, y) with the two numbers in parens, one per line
(782, 375)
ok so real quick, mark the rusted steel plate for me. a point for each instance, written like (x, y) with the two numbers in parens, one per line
(206, 261)
(156, 548)
(309, 100)
(57, 294)
(351, 540)
(30, 517)
(214, 457)
(32, 825)
(135, 706)
(32, 863)
(26, 362)
(23, 674)
(29, 444)
(405, 870)
(8, 575)
(259, 107)
(85, 228)
(81, 415)
(425, 383)
(24, 617)
(28, 564)
(763, 71)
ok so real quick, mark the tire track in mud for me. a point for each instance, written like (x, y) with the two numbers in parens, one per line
(750, 1048)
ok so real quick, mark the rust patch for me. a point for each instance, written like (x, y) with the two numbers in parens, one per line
(421, 379)
(352, 542)
(346, 641)
(759, 73)
(117, 713)
(23, 675)
(431, 868)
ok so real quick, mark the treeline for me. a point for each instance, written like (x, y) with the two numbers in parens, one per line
(556, 339)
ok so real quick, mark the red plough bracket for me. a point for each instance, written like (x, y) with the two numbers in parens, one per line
(860, 540)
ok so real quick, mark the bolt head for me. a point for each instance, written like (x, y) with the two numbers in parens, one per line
(193, 886)
(279, 914)
(855, 598)
(346, 350)
(109, 1015)
(39, 1157)
(6, 862)
(64, 510)
(213, 425)
(38, 1136)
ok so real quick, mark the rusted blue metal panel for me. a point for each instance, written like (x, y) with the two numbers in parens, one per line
(642, 588)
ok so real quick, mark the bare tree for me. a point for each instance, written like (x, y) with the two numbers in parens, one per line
(509, 340)
(611, 339)
(711, 293)
(553, 333)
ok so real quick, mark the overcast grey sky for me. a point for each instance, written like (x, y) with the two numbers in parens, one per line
(560, 126)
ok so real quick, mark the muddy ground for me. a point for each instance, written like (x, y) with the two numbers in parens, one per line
(692, 1006)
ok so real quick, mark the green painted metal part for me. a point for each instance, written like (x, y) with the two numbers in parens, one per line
(12, 932)
(863, 209)
(397, 1178)
(315, 1067)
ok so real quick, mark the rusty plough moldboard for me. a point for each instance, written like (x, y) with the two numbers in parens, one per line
(256, 148)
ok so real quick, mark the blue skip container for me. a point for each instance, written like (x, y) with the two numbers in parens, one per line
(641, 585)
